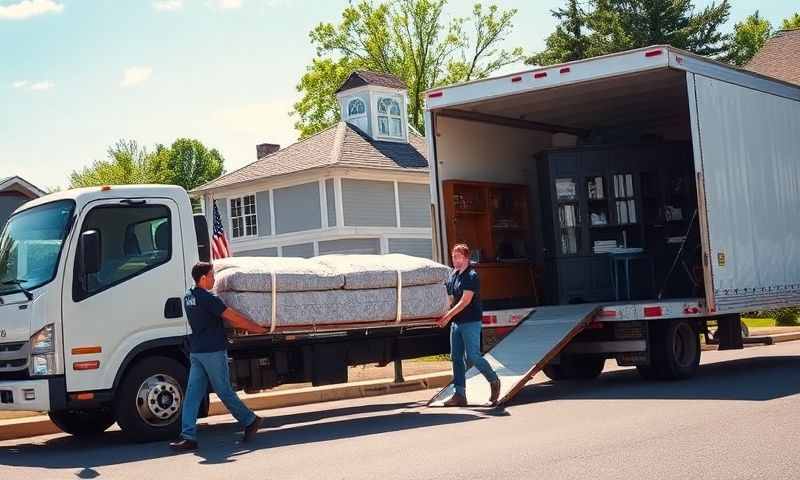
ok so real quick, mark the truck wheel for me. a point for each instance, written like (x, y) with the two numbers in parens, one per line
(576, 367)
(675, 351)
(150, 399)
(83, 423)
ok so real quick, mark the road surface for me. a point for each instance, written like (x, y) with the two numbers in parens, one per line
(739, 418)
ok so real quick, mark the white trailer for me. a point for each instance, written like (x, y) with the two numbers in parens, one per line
(743, 134)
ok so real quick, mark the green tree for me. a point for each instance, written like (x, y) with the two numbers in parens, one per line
(792, 22)
(407, 38)
(187, 163)
(598, 27)
(748, 38)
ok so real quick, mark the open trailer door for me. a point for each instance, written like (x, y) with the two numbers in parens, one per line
(747, 160)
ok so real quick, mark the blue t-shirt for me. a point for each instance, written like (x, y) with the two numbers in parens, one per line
(204, 310)
(456, 284)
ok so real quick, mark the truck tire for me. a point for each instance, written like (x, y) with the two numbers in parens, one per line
(150, 397)
(83, 423)
(576, 367)
(674, 351)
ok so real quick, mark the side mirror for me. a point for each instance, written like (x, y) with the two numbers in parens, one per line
(90, 252)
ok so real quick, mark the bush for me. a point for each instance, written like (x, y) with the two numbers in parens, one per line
(784, 317)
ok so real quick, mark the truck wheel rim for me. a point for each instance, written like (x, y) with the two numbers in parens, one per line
(158, 400)
(682, 347)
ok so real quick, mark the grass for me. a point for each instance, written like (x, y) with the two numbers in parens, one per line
(434, 358)
(759, 322)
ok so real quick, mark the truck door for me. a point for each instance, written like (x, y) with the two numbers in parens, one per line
(136, 295)
(746, 146)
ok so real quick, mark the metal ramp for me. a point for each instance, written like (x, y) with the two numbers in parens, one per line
(535, 341)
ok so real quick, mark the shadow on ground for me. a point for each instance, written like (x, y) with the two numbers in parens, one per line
(221, 443)
(748, 379)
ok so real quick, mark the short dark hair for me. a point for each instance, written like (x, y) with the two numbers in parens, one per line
(200, 270)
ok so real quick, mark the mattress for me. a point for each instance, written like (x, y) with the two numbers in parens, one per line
(299, 310)
(254, 274)
(380, 271)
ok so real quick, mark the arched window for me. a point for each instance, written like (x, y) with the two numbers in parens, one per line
(390, 118)
(356, 107)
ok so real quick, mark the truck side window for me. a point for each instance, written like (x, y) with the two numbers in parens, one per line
(133, 239)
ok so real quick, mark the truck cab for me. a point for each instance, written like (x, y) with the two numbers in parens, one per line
(90, 278)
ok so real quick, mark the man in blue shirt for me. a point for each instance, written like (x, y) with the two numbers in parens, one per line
(209, 358)
(463, 287)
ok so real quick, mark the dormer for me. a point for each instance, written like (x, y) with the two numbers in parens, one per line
(377, 104)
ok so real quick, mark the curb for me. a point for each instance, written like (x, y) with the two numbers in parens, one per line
(41, 425)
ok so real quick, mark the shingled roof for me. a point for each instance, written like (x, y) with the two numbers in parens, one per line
(779, 57)
(359, 78)
(341, 145)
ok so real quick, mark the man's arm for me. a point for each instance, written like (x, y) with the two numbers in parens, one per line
(238, 320)
(466, 297)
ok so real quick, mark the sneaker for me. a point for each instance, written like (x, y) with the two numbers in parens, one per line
(495, 386)
(183, 445)
(252, 429)
(456, 400)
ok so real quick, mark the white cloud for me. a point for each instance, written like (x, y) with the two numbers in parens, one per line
(29, 8)
(135, 76)
(226, 4)
(167, 5)
(19, 84)
(39, 86)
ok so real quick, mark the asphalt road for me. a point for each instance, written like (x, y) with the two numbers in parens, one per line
(738, 418)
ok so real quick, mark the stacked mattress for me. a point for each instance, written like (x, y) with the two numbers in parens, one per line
(333, 291)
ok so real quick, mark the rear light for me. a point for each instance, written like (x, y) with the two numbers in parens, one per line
(653, 311)
(516, 79)
(608, 313)
(565, 70)
(539, 74)
(435, 94)
(82, 396)
(653, 53)
(503, 331)
(489, 320)
(691, 310)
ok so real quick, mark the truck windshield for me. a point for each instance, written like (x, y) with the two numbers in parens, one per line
(30, 246)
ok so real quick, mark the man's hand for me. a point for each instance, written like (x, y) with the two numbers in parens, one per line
(238, 320)
(442, 322)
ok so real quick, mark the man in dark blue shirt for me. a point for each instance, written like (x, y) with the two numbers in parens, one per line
(463, 287)
(209, 358)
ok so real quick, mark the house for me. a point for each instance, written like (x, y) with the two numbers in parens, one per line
(14, 191)
(779, 57)
(360, 186)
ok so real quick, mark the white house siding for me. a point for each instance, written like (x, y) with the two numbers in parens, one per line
(415, 205)
(368, 203)
(297, 208)
(261, 252)
(351, 246)
(417, 247)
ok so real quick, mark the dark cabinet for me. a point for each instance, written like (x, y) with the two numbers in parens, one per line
(597, 199)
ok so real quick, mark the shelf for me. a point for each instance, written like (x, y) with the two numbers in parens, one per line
(598, 200)
(510, 229)
(471, 212)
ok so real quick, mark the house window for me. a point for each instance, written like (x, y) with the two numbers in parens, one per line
(356, 108)
(243, 217)
(390, 118)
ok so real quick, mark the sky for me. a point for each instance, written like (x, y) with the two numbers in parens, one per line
(78, 75)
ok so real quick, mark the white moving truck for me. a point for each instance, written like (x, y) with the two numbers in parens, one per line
(92, 326)
(662, 189)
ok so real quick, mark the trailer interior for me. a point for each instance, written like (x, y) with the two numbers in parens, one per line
(580, 193)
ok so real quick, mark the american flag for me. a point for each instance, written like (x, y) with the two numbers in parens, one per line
(219, 244)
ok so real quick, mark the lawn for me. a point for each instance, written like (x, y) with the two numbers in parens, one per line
(759, 322)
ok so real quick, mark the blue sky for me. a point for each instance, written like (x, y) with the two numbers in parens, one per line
(77, 75)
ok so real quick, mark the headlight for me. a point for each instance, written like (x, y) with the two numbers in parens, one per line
(43, 348)
(43, 341)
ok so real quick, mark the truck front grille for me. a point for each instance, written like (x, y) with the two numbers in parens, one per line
(11, 347)
(13, 358)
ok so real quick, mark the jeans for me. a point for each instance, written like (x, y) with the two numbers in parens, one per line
(210, 367)
(465, 348)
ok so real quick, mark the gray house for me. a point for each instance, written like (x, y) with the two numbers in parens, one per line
(360, 186)
(14, 191)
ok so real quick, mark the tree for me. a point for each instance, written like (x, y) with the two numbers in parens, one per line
(187, 163)
(407, 38)
(792, 22)
(748, 38)
(599, 27)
